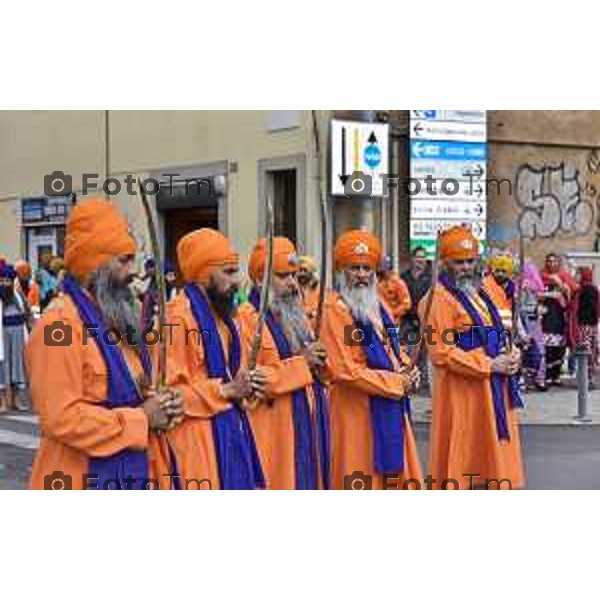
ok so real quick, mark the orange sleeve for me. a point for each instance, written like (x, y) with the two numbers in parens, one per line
(186, 370)
(347, 367)
(283, 376)
(475, 364)
(57, 389)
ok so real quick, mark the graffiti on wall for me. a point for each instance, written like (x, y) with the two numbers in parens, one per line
(554, 200)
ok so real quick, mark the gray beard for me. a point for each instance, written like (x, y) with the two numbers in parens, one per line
(290, 314)
(361, 301)
(116, 303)
(468, 285)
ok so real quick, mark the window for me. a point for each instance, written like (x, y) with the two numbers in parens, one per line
(282, 185)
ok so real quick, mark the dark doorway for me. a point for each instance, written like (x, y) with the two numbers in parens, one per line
(181, 221)
(284, 204)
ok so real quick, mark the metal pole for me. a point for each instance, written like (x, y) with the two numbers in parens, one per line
(583, 356)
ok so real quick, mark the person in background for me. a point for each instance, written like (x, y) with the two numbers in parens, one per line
(559, 287)
(392, 290)
(47, 281)
(170, 281)
(14, 317)
(148, 294)
(531, 311)
(582, 330)
(418, 282)
(28, 287)
(309, 283)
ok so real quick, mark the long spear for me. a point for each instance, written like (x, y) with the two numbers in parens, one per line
(161, 370)
(267, 282)
(324, 228)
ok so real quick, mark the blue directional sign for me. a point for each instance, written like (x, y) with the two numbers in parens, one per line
(464, 151)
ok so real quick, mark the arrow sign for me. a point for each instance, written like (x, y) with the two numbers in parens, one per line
(344, 176)
(418, 128)
(372, 138)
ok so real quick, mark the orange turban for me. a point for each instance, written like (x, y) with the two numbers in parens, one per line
(201, 251)
(285, 259)
(96, 232)
(458, 243)
(23, 269)
(357, 248)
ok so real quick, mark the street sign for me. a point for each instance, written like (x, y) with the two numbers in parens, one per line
(463, 210)
(358, 147)
(461, 116)
(449, 131)
(449, 146)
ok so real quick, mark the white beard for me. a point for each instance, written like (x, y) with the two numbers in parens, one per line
(362, 301)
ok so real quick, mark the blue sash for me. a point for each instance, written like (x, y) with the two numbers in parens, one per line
(237, 457)
(493, 340)
(304, 444)
(387, 414)
(128, 469)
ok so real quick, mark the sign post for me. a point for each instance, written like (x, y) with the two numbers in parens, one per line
(448, 168)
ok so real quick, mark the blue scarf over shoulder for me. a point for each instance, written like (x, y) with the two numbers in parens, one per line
(306, 447)
(493, 340)
(237, 457)
(128, 469)
(387, 414)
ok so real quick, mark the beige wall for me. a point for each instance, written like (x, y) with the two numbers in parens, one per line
(35, 143)
(551, 158)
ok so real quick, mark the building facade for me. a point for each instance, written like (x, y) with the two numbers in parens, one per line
(218, 167)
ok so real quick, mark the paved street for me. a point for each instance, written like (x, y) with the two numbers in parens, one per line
(557, 456)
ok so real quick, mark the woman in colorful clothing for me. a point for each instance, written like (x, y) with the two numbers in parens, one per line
(583, 320)
(559, 287)
(531, 311)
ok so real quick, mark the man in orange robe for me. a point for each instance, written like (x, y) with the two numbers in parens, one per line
(372, 438)
(94, 399)
(393, 291)
(214, 446)
(474, 435)
(292, 426)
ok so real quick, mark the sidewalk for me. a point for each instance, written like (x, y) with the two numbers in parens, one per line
(555, 407)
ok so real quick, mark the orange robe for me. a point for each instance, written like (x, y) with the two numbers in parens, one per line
(273, 426)
(192, 442)
(394, 292)
(464, 440)
(503, 303)
(352, 385)
(68, 386)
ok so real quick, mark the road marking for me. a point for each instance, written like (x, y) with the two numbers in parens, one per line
(23, 418)
(21, 440)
